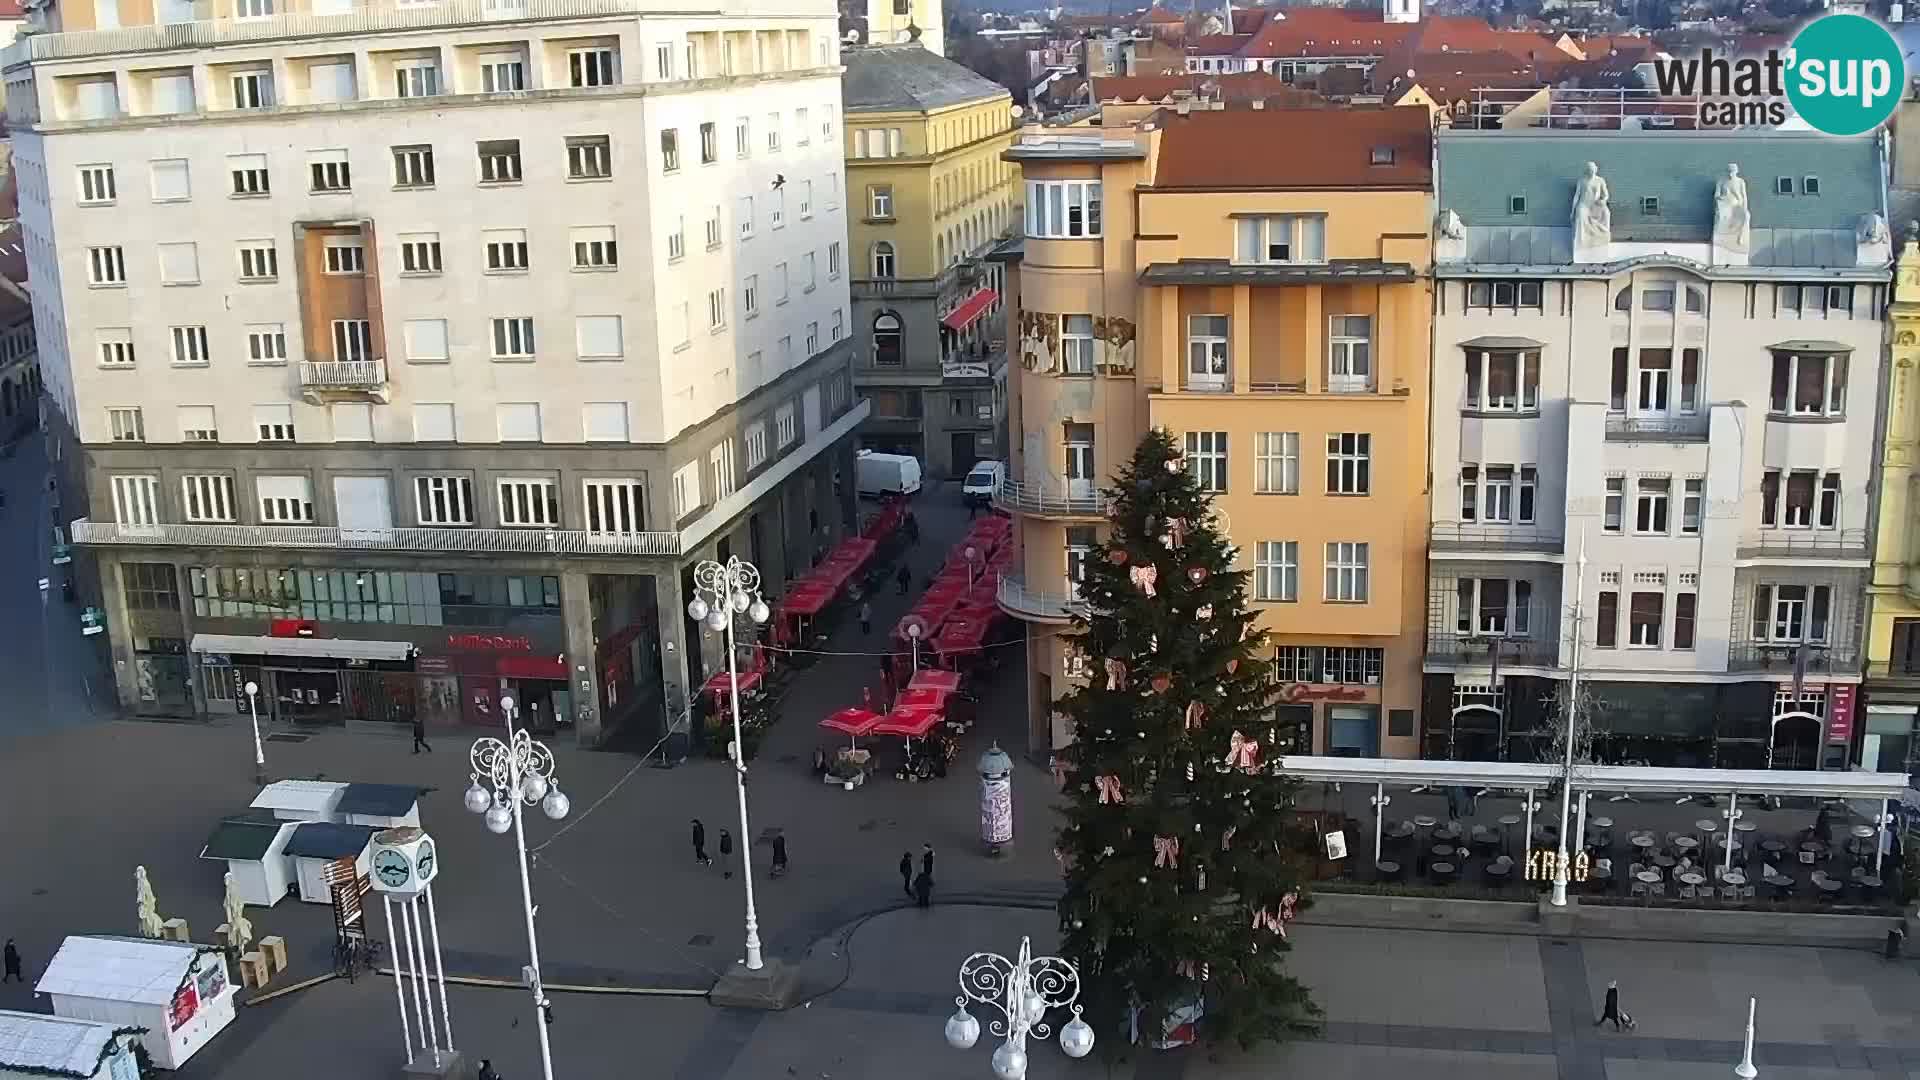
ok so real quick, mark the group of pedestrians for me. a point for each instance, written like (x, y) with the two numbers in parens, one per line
(919, 888)
(700, 855)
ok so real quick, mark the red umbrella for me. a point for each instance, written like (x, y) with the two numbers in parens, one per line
(921, 698)
(935, 679)
(855, 722)
(911, 722)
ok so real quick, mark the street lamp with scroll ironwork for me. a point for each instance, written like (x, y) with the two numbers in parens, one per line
(1021, 990)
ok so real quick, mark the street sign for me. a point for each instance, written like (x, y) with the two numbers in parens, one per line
(45, 584)
(62, 554)
(216, 659)
(93, 621)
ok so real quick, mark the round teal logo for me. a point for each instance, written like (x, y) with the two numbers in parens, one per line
(1845, 74)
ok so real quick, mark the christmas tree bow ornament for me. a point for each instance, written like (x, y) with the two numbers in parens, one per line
(1243, 753)
(1175, 537)
(1113, 510)
(1110, 791)
(1265, 919)
(1286, 906)
(1175, 464)
(1166, 852)
(1203, 612)
(1060, 770)
(1116, 675)
(1117, 557)
(1233, 665)
(1196, 712)
(1143, 577)
(1226, 838)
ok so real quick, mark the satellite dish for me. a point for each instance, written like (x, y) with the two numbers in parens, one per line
(1018, 112)
(851, 37)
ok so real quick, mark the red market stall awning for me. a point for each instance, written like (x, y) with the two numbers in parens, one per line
(961, 635)
(852, 721)
(856, 549)
(913, 723)
(921, 698)
(970, 309)
(807, 598)
(718, 684)
(935, 679)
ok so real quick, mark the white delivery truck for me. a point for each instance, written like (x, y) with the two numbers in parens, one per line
(886, 474)
(977, 488)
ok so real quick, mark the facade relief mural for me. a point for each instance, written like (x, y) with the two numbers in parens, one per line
(1040, 342)
(1113, 343)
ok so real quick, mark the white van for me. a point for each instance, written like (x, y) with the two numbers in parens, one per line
(977, 489)
(886, 474)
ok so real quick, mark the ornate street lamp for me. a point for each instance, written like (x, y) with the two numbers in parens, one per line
(1021, 990)
(518, 771)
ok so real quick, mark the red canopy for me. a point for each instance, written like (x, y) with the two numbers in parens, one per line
(921, 698)
(884, 522)
(913, 723)
(854, 549)
(935, 679)
(807, 598)
(718, 684)
(970, 309)
(961, 635)
(852, 721)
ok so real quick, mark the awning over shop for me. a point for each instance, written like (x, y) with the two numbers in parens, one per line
(807, 598)
(970, 309)
(910, 722)
(333, 648)
(1832, 784)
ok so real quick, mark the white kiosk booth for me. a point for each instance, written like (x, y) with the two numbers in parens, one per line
(178, 991)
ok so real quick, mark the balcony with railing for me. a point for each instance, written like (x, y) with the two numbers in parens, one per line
(1780, 657)
(1901, 673)
(455, 541)
(1477, 650)
(1018, 600)
(1469, 538)
(1680, 429)
(1818, 544)
(1048, 501)
(322, 381)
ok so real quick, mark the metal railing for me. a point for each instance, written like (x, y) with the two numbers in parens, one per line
(465, 541)
(343, 374)
(1017, 599)
(1778, 657)
(1018, 497)
(1470, 649)
(1297, 386)
(1892, 671)
(1804, 544)
(1466, 536)
(361, 18)
(1657, 428)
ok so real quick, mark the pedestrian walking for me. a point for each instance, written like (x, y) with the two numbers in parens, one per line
(1611, 1009)
(726, 852)
(923, 890)
(913, 530)
(904, 577)
(1456, 802)
(700, 843)
(487, 1071)
(420, 734)
(779, 854)
(906, 873)
(926, 859)
(973, 508)
(866, 618)
(12, 957)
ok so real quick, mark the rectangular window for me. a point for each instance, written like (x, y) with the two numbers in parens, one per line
(1689, 381)
(1350, 354)
(513, 338)
(106, 266)
(518, 421)
(502, 73)
(1287, 238)
(249, 174)
(590, 67)
(1503, 295)
(116, 346)
(413, 166)
(285, 500)
(197, 424)
(1063, 209)
(180, 264)
(499, 161)
(1498, 492)
(1209, 360)
(328, 83)
(598, 337)
(720, 468)
(1650, 505)
(839, 329)
(1529, 483)
(1683, 619)
(1080, 542)
(443, 500)
(1469, 493)
(1799, 500)
(1613, 520)
(750, 296)
(605, 421)
(1276, 571)
(1693, 495)
(713, 229)
(663, 60)
(1809, 385)
(594, 248)
(1276, 463)
(425, 340)
(125, 425)
(1346, 572)
(677, 240)
(716, 309)
(745, 216)
(415, 78)
(784, 430)
(419, 253)
(506, 250)
(345, 255)
(527, 503)
(813, 338)
(589, 157)
(670, 150)
(1207, 459)
(96, 185)
(267, 343)
(806, 199)
(777, 207)
(171, 182)
(615, 507)
(756, 440)
(1617, 392)
(253, 90)
(773, 133)
(189, 346)
(1645, 618)
(1349, 463)
(742, 137)
(1828, 511)
(1076, 344)
(803, 126)
(709, 143)
(1606, 621)
(686, 489)
(833, 260)
(1503, 381)
(353, 422)
(136, 500)
(208, 498)
(273, 423)
(352, 340)
(329, 171)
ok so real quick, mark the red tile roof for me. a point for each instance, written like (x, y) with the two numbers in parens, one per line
(1316, 32)
(1237, 150)
(1235, 88)
(1158, 14)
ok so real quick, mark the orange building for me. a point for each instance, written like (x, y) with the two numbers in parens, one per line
(1258, 286)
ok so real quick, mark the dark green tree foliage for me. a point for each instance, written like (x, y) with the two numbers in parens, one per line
(1179, 871)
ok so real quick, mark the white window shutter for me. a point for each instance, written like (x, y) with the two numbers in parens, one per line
(426, 339)
(598, 335)
(606, 421)
(352, 421)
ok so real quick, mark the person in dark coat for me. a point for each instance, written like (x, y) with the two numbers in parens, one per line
(913, 530)
(726, 852)
(923, 890)
(779, 853)
(700, 843)
(904, 578)
(866, 618)
(12, 958)
(906, 873)
(487, 1071)
(1611, 1009)
(926, 859)
(420, 734)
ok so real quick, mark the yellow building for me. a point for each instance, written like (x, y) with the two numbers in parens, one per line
(1270, 308)
(931, 193)
(1892, 687)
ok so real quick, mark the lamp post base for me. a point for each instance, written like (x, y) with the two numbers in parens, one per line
(446, 1065)
(260, 775)
(771, 989)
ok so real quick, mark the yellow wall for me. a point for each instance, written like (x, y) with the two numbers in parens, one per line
(1895, 589)
(949, 177)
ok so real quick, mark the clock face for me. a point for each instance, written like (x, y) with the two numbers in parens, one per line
(391, 867)
(425, 860)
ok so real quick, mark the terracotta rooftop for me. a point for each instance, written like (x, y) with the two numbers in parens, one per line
(1158, 14)
(1316, 32)
(1239, 86)
(1253, 150)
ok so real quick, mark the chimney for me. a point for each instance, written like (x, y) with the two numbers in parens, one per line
(1185, 107)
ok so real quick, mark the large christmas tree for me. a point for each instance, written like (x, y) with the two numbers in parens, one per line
(1180, 874)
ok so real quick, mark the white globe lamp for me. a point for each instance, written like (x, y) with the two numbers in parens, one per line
(962, 1030)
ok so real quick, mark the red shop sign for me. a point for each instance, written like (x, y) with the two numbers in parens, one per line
(489, 643)
(1294, 693)
(1840, 712)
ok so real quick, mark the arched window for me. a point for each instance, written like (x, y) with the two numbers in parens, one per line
(888, 340)
(883, 260)
(940, 250)
(1623, 300)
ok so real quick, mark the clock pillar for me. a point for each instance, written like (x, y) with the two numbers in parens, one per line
(404, 862)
